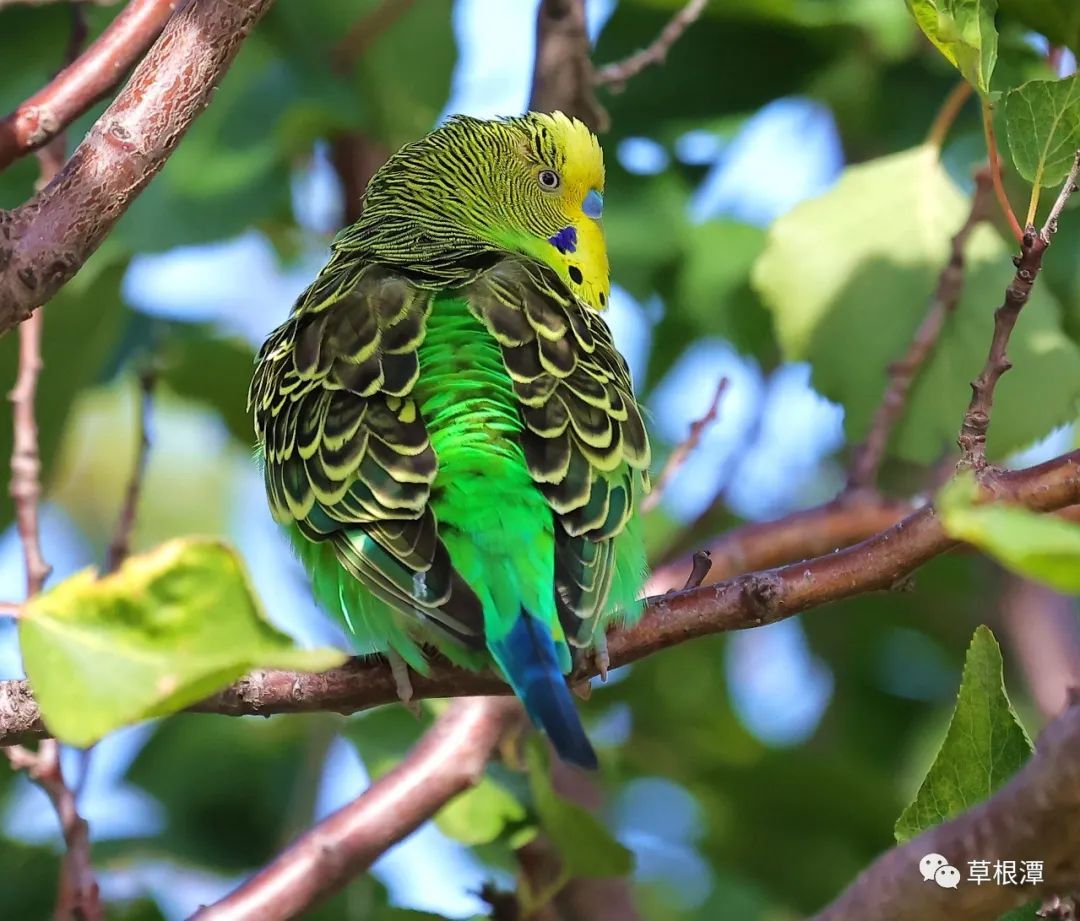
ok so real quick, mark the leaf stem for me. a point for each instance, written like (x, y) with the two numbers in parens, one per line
(947, 114)
(995, 171)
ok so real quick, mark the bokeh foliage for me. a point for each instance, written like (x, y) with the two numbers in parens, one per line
(840, 282)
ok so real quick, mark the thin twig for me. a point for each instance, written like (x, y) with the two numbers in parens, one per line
(972, 438)
(615, 75)
(84, 81)
(995, 171)
(120, 545)
(448, 760)
(368, 28)
(948, 112)
(25, 461)
(685, 448)
(702, 563)
(868, 455)
(78, 898)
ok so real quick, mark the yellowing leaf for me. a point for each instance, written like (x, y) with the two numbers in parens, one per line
(1039, 546)
(963, 31)
(984, 746)
(169, 628)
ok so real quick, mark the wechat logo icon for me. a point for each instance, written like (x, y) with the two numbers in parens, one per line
(935, 867)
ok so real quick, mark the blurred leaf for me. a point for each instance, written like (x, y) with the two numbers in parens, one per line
(587, 848)
(1042, 119)
(30, 878)
(984, 747)
(169, 628)
(384, 735)
(201, 364)
(1058, 20)
(1039, 546)
(479, 815)
(963, 31)
(848, 277)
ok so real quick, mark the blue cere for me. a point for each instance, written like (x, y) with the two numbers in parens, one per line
(593, 206)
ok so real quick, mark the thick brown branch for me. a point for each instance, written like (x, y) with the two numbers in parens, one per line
(449, 760)
(1032, 818)
(972, 439)
(615, 75)
(869, 455)
(86, 80)
(562, 72)
(876, 564)
(46, 241)
(764, 544)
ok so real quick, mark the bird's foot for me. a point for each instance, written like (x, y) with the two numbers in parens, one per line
(399, 668)
(601, 659)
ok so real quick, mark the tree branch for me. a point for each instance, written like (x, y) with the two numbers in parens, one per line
(972, 439)
(879, 563)
(449, 760)
(84, 81)
(78, 896)
(46, 241)
(120, 545)
(1033, 817)
(869, 455)
(616, 75)
(684, 449)
(562, 71)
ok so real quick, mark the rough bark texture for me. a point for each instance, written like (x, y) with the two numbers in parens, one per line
(46, 241)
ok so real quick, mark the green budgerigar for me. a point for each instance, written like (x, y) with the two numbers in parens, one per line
(447, 430)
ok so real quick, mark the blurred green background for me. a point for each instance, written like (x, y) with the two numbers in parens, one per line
(753, 775)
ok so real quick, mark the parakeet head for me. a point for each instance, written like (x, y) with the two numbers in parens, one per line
(532, 184)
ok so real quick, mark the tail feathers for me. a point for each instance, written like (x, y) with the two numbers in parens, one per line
(527, 656)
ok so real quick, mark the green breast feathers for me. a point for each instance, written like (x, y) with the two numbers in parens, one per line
(458, 461)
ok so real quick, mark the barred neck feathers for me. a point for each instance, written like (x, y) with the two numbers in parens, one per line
(450, 204)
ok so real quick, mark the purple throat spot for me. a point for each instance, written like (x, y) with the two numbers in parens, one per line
(565, 241)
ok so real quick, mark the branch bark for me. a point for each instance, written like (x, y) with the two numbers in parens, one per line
(1033, 246)
(616, 74)
(879, 563)
(869, 455)
(46, 241)
(447, 761)
(562, 71)
(85, 80)
(1033, 817)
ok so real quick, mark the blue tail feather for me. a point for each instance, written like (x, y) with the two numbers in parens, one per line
(528, 657)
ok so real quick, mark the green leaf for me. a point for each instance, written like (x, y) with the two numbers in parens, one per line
(479, 815)
(984, 746)
(171, 627)
(587, 848)
(1042, 547)
(848, 277)
(963, 31)
(1042, 121)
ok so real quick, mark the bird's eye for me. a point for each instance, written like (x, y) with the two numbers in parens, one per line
(548, 179)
